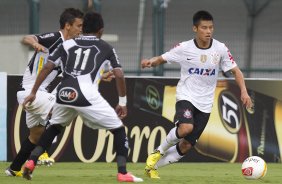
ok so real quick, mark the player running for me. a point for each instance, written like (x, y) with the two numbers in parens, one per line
(200, 60)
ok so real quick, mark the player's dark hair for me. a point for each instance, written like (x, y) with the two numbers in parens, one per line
(69, 15)
(92, 22)
(201, 15)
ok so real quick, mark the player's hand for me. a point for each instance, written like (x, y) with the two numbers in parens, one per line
(146, 63)
(28, 100)
(121, 111)
(246, 100)
(38, 47)
(108, 76)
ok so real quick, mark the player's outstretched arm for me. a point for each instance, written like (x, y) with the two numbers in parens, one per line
(32, 41)
(245, 98)
(153, 62)
(47, 69)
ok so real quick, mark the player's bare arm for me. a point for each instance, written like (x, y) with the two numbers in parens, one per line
(47, 69)
(239, 78)
(153, 62)
(121, 108)
(32, 41)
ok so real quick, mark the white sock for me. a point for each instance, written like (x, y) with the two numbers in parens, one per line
(170, 140)
(170, 156)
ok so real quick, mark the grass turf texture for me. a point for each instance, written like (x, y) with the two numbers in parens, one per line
(198, 173)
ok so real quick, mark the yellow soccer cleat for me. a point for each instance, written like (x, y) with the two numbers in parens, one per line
(10, 172)
(152, 159)
(44, 159)
(152, 173)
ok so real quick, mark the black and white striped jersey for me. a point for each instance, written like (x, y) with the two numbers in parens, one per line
(50, 41)
(83, 60)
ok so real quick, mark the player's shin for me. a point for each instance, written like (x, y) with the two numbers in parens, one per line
(171, 139)
(22, 155)
(172, 155)
(45, 141)
(121, 147)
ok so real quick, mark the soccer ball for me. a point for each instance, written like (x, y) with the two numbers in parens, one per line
(254, 168)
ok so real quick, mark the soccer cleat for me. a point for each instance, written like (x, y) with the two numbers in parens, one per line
(28, 169)
(128, 177)
(152, 173)
(10, 172)
(44, 159)
(152, 159)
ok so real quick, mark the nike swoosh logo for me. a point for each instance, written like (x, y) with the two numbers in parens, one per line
(189, 59)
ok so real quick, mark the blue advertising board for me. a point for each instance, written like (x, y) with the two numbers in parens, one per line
(3, 116)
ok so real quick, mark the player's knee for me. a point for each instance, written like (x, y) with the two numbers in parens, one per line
(33, 139)
(184, 129)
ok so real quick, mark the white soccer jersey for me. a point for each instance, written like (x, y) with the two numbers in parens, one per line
(199, 71)
(30, 76)
(50, 41)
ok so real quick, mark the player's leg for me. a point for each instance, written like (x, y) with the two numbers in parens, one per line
(35, 123)
(15, 168)
(175, 153)
(26, 147)
(62, 116)
(121, 147)
(42, 107)
(172, 155)
(102, 115)
(184, 126)
(34, 136)
(44, 143)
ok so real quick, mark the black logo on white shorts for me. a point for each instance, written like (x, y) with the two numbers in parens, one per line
(68, 94)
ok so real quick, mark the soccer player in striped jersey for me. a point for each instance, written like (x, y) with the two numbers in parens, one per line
(200, 59)
(83, 61)
(37, 112)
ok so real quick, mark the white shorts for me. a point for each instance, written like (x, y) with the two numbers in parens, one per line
(37, 112)
(100, 115)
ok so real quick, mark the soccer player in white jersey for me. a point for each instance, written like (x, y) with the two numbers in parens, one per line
(83, 60)
(37, 112)
(200, 60)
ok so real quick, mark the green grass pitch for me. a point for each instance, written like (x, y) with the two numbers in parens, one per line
(198, 173)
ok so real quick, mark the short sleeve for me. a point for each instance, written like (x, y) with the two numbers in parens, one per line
(48, 39)
(174, 55)
(227, 60)
(113, 58)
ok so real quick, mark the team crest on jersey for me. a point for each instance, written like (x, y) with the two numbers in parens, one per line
(187, 114)
(203, 58)
(215, 58)
(68, 94)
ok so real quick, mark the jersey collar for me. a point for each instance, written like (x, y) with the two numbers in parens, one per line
(62, 36)
(200, 47)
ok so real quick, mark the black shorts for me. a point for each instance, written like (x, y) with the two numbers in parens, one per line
(186, 112)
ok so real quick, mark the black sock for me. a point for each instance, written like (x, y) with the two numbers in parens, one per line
(121, 147)
(121, 164)
(45, 141)
(22, 155)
